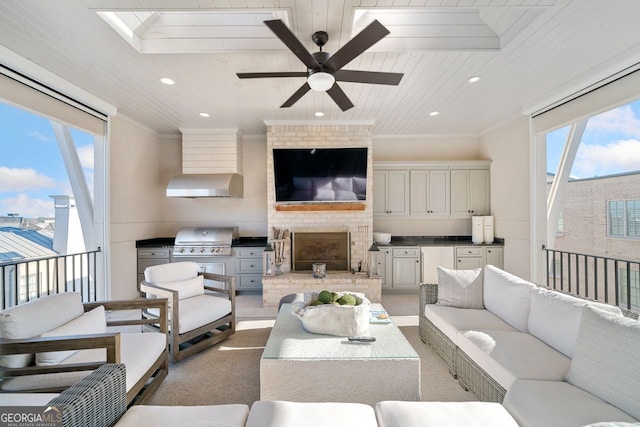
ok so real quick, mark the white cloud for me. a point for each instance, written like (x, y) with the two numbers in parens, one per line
(620, 120)
(599, 160)
(25, 206)
(15, 179)
(85, 154)
(39, 135)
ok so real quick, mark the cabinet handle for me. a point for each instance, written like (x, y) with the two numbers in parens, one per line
(251, 265)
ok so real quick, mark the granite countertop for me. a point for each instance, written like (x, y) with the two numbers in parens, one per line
(439, 241)
(164, 242)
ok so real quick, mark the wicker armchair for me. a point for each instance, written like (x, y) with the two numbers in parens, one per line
(30, 377)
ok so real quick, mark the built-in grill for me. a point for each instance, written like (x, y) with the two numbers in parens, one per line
(204, 242)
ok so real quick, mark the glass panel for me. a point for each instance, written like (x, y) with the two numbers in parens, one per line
(616, 218)
(633, 218)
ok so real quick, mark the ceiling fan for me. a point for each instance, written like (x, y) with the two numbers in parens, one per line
(325, 70)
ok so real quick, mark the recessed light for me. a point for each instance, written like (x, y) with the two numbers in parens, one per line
(319, 114)
(167, 81)
(474, 79)
(434, 113)
(205, 115)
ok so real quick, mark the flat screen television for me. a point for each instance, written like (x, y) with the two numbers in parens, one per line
(320, 174)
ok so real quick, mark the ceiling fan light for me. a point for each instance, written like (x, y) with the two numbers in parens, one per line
(321, 81)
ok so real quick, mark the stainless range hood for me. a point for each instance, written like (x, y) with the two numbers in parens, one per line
(206, 185)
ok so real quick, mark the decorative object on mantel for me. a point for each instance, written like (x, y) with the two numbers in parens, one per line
(332, 319)
(319, 270)
(280, 238)
(268, 260)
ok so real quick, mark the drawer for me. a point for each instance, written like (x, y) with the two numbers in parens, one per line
(249, 253)
(142, 264)
(249, 281)
(464, 251)
(406, 252)
(249, 265)
(154, 253)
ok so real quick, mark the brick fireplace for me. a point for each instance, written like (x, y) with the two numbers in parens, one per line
(354, 220)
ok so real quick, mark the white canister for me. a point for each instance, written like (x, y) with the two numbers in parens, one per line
(488, 229)
(477, 229)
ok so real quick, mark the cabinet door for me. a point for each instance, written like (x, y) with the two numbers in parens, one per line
(434, 257)
(386, 267)
(469, 263)
(495, 256)
(406, 273)
(379, 192)
(479, 192)
(460, 193)
(398, 192)
(429, 192)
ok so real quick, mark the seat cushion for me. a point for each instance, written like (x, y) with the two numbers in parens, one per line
(200, 310)
(34, 318)
(557, 404)
(438, 414)
(138, 351)
(606, 360)
(234, 415)
(265, 413)
(555, 318)
(460, 288)
(451, 320)
(92, 322)
(507, 296)
(509, 356)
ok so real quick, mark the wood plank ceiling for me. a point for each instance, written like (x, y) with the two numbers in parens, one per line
(522, 49)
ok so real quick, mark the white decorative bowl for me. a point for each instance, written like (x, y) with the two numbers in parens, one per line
(381, 238)
(329, 319)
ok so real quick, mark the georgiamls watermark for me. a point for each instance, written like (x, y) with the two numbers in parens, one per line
(30, 416)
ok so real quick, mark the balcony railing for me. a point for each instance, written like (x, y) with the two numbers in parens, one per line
(25, 280)
(609, 280)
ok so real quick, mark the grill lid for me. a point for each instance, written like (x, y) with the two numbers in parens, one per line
(206, 236)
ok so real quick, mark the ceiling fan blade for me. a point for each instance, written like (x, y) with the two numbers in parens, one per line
(289, 39)
(296, 96)
(339, 97)
(372, 77)
(366, 38)
(275, 74)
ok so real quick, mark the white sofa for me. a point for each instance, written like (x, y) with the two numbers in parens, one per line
(545, 350)
(50, 343)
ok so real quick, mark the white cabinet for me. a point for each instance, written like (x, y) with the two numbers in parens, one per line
(430, 189)
(248, 268)
(469, 192)
(468, 257)
(406, 267)
(386, 266)
(391, 192)
(433, 257)
(495, 256)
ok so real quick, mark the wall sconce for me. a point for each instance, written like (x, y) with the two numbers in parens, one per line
(268, 260)
(374, 260)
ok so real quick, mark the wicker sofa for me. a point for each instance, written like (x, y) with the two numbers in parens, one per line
(533, 349)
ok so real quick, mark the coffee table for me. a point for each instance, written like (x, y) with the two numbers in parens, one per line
(299, 366)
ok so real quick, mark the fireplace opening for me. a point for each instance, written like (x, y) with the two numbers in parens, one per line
(330, 248)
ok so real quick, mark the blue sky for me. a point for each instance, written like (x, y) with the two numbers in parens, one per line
(31, 166)
(610, 144)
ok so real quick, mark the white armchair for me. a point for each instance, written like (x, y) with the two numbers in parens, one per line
(200, 315)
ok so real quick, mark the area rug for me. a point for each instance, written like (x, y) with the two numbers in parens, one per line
(229, 372)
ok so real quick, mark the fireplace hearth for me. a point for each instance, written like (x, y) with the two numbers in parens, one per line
(330, 248)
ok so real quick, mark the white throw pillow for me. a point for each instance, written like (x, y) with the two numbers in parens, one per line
(606, 361)
(555, 318)
(460, 288)
(92, 322)
(507, 296)
(186, 288)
